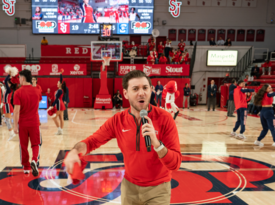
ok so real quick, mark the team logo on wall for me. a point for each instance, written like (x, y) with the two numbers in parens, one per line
(54, 69)
(9, 7)
(230, 176)
(174, 8)
(63, 28)
(141, 27)
(148, 70)
(33, 68)
(46, 26)
(77, 70)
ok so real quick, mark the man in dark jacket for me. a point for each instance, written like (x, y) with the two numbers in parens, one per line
(212, 90)
(231, 105)
(66, 101)
(255, 71)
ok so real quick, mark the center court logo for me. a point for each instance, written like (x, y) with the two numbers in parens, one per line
(148, 70)
(33, 68)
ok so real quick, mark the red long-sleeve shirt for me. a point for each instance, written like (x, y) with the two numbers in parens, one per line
(162, 60)
(141, 167)
(151, 60)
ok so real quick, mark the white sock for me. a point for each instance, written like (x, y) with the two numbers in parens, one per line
(59, 128)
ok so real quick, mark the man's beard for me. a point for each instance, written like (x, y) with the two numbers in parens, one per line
(144, 107)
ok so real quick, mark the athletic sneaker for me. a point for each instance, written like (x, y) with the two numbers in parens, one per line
(12, 135)
(258, 143)
(233, 134)
(26, 171)
(273, 145)
(241, 137)
(59, 132)
(114, 108)
(35, 171)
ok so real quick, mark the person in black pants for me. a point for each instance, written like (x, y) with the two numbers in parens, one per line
(66, 101)
(255, 71)
(153, 95)
(117, 100)
(186, 95)
(264, 98)
(231, 105)
(212, 91)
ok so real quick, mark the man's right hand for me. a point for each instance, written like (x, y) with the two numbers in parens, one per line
(70, 160)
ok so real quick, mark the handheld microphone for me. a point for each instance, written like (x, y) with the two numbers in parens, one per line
(147, 138)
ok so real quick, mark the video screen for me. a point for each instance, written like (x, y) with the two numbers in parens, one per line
(222, 58)
(85, 16)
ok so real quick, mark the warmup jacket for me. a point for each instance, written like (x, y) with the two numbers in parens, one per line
(240, 97)
(268, 98)
(142, 168)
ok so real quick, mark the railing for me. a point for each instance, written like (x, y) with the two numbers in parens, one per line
(242, 65)
(193, 59)
(261, 54)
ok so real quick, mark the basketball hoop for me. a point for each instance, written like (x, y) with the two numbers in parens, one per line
(106, 60)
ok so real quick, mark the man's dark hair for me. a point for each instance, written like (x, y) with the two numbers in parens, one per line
(134, 74)
(233, 81)
(44, 37)
(27, 74)
(240, 81)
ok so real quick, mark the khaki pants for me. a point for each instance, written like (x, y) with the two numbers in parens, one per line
(132, 194)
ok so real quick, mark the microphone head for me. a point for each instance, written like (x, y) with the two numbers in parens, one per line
(143, 113)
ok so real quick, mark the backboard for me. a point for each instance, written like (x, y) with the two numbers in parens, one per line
(100, 49)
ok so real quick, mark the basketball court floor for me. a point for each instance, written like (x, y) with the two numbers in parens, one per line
(216, 168)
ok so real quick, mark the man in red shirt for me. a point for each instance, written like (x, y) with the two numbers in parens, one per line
(34, 84)
(150, 39)
(181, 45)
(26, 103)
(151, 58)
(266, 66)
(162, 59)
(152, 45)
(147, 174)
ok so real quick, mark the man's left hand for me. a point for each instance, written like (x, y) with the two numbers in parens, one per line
(65, 103)
(148, 129)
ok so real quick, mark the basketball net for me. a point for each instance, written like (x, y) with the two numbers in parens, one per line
(106, 60)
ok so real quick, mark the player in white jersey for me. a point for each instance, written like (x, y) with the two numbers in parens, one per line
(133, 15)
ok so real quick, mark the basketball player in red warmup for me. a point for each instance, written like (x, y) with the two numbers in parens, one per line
(264, 98)
(241, 107)
(11, 84)
(87, 10)
(26, 103)
(58, 102)
(147, 174)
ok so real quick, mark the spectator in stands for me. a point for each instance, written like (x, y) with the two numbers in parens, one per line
(152, 45)
(133, 53)
(117, 100)
(159, 89)
(266, 66)
(50, 97)
(248, 97)
(255, 71)
(153, 95)
(182, 59)
(176, 58)
(66, 101)
(212, 42)
(171, 55)
(212, 90)
(162, 59)
(151, 58)
(44, 41)
(155, 53)
(160, 49)
(228, 42)
(231, 105)
(181, 45)
(150, 40)
(250, 104)
(246, 79)
(167, 48)
(220, 42)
